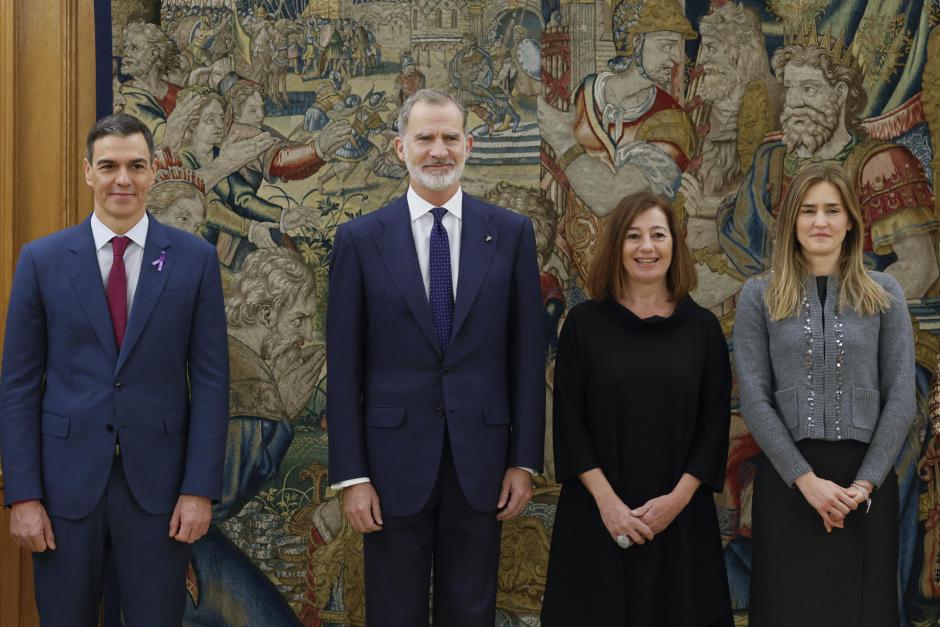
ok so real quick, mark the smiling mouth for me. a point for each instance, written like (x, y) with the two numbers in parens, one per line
(646, 262)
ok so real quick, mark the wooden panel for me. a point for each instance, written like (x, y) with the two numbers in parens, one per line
(46, 106)
(7, 254)
(10, 555)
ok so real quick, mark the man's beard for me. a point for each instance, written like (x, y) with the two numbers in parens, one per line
(818, 126)
(717, 84)
(660, 76)
(435, 182)
(128, 67)
(720, 167)
(277, 350)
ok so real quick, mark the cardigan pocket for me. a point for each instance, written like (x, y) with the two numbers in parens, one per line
(866, 408)
(788, 407)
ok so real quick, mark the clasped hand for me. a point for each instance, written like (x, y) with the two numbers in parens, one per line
(642, 523)
(621, 521)
(830, 500)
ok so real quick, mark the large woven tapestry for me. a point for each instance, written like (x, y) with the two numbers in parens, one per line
(275, 119)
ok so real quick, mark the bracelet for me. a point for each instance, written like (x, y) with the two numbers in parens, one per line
(866, 492)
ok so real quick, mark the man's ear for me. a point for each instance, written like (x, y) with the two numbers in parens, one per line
(636, 41)
(266, 316)
(400, 147)
(842, 91)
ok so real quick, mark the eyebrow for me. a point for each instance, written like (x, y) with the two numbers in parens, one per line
(425, 135)
(803, 82)
(828, 204)
(112, 161)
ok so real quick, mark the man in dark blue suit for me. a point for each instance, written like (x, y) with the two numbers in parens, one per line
(114, 396)
(436, 379)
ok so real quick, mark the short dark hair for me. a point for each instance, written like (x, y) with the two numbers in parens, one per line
(607, 277)
(120, 125)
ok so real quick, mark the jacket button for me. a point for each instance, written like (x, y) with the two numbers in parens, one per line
(109, 428)
(447, 370)
(439, 411)
(118, 385)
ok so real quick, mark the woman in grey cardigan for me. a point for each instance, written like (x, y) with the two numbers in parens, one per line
(824, 356)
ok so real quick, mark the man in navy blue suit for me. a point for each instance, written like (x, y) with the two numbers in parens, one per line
(436, 379)
(114, 396)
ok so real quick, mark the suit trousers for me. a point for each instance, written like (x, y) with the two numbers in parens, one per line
(460, 544)
(150, 565)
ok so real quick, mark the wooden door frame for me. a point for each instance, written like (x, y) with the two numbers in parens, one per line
(47, 103)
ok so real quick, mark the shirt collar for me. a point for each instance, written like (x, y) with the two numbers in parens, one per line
(103, 235)
(418, 206)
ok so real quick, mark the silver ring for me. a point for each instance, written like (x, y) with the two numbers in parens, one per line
(624, 542)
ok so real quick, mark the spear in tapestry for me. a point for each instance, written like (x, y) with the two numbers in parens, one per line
(239, 36)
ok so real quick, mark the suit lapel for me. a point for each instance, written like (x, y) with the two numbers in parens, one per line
(478, 241)
(89, 288)
(149, 286)
(397, 247)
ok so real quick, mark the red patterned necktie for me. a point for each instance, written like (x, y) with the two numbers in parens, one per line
(117, 289)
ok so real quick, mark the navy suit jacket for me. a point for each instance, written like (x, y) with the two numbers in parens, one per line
(68, 393)
(392, 390)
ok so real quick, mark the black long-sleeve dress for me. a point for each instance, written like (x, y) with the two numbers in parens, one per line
(645, 400)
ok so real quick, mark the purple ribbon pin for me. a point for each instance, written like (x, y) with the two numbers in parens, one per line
(158, 262)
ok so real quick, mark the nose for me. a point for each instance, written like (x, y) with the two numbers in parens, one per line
(820, 219)
(646, 244)
(793, 97)
(123, 177)
(438, 149)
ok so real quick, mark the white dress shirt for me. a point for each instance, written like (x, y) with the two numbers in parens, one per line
(133, 255)
(421, 223)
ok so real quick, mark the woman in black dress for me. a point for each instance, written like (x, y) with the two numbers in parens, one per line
(641, 416)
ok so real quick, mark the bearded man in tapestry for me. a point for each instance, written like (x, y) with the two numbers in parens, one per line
(275, 364)
(734, 101)
(821, 122)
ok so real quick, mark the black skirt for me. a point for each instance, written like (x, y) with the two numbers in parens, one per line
(801, 575)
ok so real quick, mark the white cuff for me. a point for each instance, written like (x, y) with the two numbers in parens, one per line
(345, 484)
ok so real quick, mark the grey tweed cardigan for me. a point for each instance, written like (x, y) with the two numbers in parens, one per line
(825, 374)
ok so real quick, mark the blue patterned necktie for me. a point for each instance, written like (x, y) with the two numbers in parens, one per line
(441, 289)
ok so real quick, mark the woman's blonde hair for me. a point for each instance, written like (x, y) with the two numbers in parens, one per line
(786, 290)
